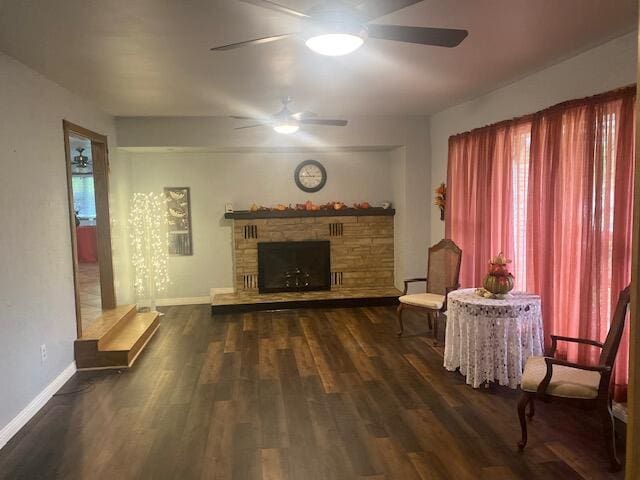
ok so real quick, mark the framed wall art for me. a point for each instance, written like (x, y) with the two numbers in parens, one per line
(179, 218)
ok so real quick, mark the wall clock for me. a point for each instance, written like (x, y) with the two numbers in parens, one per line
(310, 176)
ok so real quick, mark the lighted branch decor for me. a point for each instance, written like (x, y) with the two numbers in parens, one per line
(149, 239)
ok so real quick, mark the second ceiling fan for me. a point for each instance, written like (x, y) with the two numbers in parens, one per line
(336, 28)
(288, 122)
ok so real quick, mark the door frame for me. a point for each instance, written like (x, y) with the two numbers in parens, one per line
(100, 159)
(632, 468)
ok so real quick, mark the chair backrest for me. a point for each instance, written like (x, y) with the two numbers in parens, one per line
(611, 344)
(443, 269)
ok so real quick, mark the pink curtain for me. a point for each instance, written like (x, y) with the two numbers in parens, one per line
(479, 216)
(553, 191)
(579, 218)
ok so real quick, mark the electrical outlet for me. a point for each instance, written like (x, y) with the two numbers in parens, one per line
(43, 353)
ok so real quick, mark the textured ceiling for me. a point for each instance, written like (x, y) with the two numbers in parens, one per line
(151, 57)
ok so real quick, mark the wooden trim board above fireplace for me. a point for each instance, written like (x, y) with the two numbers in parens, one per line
(346, 212)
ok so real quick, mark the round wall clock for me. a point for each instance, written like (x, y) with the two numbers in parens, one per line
(310, 176)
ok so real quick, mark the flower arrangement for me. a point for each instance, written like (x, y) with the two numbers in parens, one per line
(499, 281)
(440, 200)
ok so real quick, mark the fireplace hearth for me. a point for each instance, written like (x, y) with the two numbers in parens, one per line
(294, 266)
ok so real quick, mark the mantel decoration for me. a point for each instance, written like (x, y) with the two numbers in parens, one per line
(312, 207)
(499, 282)
(148, 223)
(440, 200)
(179, 217)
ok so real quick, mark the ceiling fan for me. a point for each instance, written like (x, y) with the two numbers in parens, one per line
(80, 160)
(336, 28)
(287, 122)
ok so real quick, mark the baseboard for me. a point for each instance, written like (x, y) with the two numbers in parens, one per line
(168, 302)
(222, 290)
(35, 405)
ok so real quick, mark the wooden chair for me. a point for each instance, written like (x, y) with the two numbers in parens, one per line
(587, 386)
(443, 272)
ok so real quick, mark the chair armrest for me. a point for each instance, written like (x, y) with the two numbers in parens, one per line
(585, 341)
(550, 362)
(411, 280)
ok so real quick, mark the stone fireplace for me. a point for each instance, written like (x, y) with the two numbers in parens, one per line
(360, 243)
(310, 259)
(294, 266)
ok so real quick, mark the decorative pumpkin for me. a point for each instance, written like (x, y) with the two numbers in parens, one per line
(498, 284)
(499, 280)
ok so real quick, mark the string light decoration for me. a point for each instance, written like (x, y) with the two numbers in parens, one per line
(149, 241)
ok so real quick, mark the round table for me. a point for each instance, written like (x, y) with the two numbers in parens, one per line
(490, 340)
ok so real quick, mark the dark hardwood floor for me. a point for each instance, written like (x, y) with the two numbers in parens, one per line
(299, 394)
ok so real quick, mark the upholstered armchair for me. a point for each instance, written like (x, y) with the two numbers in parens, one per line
(443, 272)
(587, 386)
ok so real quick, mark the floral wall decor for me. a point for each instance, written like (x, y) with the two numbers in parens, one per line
(440, 200)
(179, 215)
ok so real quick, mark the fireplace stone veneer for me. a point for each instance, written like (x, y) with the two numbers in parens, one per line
(361, 247)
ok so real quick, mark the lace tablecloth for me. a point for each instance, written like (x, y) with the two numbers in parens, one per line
(490, 340)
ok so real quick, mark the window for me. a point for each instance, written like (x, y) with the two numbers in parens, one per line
(565, 214)
(84, 196)
(520, 147)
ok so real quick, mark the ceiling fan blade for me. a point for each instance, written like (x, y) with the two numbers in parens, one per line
(256, 41)
(276, 7)
(253, 126)
(439, 37)
(240, 117)
(372, 9)
(301, 115)
(320, 121)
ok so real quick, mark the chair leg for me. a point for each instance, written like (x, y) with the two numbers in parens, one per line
(522, 406)
(430, 320)
(436, 323)
(532, 408)
(608, 424)
(400, 324)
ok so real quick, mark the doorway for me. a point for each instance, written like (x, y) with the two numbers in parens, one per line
(86, 155)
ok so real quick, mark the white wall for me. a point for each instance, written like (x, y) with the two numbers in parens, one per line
(119, 198)
(37, 304)
(600, 69)
(407, 183)
(244, 178)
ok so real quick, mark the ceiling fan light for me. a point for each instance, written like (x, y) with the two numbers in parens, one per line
(286, 128)
(335, 44)
(80, 160)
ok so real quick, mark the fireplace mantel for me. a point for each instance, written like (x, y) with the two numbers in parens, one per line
(346, 212)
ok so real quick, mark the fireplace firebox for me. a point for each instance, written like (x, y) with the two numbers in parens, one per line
(294, 266)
